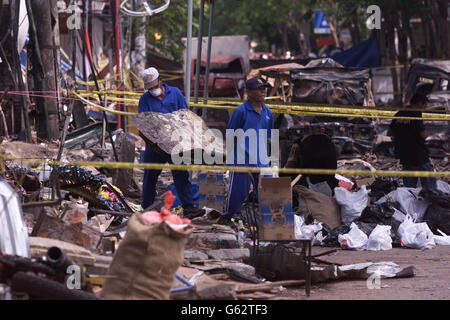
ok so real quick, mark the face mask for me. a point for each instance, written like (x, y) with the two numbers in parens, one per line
(156, 92)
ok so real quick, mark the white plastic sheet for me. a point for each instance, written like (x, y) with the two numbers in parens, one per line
(385, 269)
(443, 186)
(443, 239)
(415, 235)
(354, 239)
(305, 231)
(380, 238)
(351, 203)
(13, 230)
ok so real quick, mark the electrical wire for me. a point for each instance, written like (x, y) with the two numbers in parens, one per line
(149, 11)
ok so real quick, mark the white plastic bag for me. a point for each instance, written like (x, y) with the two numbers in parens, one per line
(351, 203)
(443, 186)
(13, 229)
(398, 215)
(443, 240)
(380, 238)
(318, 239)
(409, 200)
(305, 231)
(354, 239)
(415, 235)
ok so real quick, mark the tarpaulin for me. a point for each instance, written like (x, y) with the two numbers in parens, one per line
(363, 55)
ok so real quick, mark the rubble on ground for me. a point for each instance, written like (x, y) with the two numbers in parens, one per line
(85, 212)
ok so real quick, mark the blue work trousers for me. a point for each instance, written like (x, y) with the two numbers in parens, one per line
(426, 182)
(238, 188)
(180, 178)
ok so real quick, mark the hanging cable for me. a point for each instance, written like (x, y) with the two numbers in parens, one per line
(149, 11)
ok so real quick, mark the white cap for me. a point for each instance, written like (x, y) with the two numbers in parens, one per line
(150, 78)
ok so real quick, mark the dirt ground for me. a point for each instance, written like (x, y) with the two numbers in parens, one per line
(431, 280)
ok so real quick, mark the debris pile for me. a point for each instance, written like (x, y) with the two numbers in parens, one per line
(379, 216)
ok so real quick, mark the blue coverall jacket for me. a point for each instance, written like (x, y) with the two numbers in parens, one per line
(173, 100)
(245, 117)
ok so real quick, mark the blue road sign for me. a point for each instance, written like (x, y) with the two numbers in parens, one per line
(320, 23)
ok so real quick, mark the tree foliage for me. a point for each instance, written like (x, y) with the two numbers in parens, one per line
(288, 24)
(171, 24)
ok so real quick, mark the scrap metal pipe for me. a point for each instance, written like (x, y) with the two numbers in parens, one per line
(16, 58)
(115, 213)
(117, 44)
(41, 288)
(57, 257)
(199, 51)
(187, 88)
(208, 57)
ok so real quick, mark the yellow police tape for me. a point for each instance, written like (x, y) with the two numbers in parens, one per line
(325, 114)
(178, 74)
(92, 83)
(366, 112)
(295, 110)
(156, 166)
(130, 101)
(167, 77)
(111, 92)
(124, 113)
(335, 107)
(234, 101)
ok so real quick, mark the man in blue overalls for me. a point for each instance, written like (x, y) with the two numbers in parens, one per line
(256, 120)
(160, 97)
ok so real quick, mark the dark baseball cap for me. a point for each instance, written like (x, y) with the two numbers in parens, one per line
(255, 83)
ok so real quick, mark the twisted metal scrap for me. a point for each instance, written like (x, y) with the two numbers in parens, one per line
(188, 130)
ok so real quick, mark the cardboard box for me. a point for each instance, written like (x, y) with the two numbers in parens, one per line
(211, 201)
(211, 183)
(211, 190)
(276, 214)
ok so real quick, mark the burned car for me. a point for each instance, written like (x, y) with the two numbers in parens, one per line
(325, 81)
(427, 76)
(328, 82)
(226, 78)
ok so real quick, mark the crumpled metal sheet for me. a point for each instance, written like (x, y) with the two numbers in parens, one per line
(159, 127)
(443, 65)
(13, 229)
(439, 100)
(324, 63)
(427, 68)
(332, 85)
